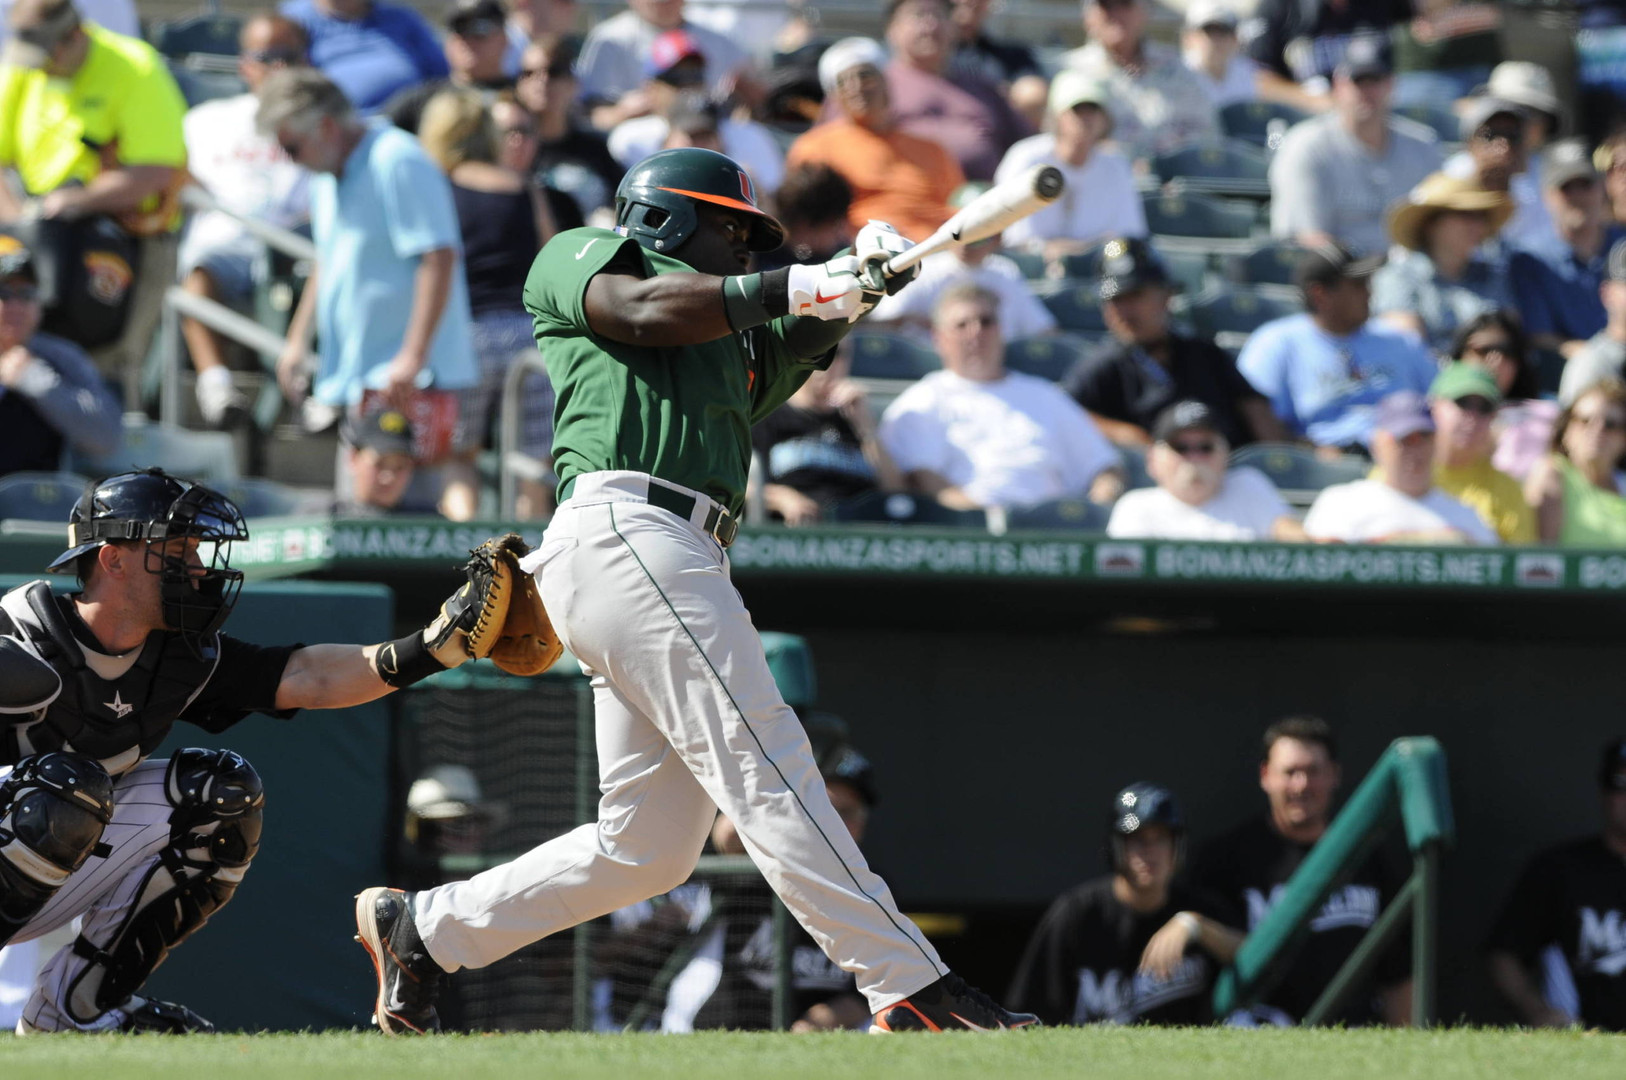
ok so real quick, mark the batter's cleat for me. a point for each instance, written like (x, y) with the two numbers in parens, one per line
(948, 1005)
(408, 977)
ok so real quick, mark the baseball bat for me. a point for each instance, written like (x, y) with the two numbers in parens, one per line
(988, 214)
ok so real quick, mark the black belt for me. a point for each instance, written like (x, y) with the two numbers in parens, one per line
(719, 524)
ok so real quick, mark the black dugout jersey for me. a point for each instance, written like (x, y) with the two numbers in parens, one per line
(1081, 966)
(1248, 867)
(1573, 898)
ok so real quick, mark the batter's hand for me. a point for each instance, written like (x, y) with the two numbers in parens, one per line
(830, 292)
(876, 243)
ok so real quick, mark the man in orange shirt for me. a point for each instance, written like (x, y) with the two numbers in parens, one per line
(895, 177)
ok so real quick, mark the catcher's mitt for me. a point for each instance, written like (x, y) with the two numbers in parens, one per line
(528, 645)
(472, 618)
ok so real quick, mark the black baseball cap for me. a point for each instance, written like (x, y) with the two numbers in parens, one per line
(466, 15)
(1365, 56)
(1130, 264)
(1612, 769)
(16, 260)
(388, 431)
(1184, 415)
(1330, 262)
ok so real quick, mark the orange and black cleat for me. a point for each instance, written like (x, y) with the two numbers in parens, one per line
(408, 977)
(948, 1005)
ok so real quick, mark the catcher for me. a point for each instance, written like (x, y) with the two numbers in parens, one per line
(143, 850)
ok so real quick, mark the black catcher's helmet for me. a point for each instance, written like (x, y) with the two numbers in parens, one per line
(1138, 805)
(655, 202)
(150, 505)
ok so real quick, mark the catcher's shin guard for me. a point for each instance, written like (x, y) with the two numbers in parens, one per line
(53, 808)
(214, 834)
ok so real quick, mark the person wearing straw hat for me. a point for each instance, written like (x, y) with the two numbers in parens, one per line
(1440, 281)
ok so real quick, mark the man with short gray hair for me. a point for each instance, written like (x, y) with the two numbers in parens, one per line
(387, 292)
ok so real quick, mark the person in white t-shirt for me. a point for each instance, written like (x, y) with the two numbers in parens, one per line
(1212, 52)
(1399, 503)
(1197, 497)
(249, 174)
(1100, 199)
(975, 435)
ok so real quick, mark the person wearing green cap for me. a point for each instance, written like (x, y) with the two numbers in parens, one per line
(1464, 399)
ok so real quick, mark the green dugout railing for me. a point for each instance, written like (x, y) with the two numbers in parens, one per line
(1408, 782)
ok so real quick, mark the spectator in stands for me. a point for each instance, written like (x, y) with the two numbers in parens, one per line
(1125, 386)
(517, 146)
(1610, 157)
(1493, 132)
(813, 204)
(119, 16)
(569, 158)
(387, 293)
(51, 397)
(248, 174)
(1487, 157)
(377, 451)
(1441, 280)
(1324, 370)
(1212, 51)
(1400, 503)
(676, 70)
(371, 49)
(821, 447)
(959, 110)
(1136, 946)
(1578, 490)
(1495, 342)
(1557, 952)
(1298, 44)
(895, 176)
(503, 222)
(1158, 103)
(92, 129)
(474, 47)
(1248, 866)
(1464, 400)
(1445, 50)
(1557, 287)
(611, 67)
(529, 20)
(1009, 65)
(1604, 354)
(1021, 313)
(976, 435)
(1335, 176)
(1100, 199)
(1197, 497)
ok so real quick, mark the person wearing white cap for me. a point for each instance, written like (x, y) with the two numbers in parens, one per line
(895, 176)
(1211, 49)
(1100, 199)
(1529, 87)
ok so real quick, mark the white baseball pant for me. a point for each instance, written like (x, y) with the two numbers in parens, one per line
(688, 720)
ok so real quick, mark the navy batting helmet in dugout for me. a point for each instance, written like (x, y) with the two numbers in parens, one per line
(1137, 806)
(655, 204)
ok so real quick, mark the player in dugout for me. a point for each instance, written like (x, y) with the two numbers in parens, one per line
(144, 851)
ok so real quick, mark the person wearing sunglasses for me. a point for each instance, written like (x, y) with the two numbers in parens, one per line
(1464, 400)
(1400, 502)
(1578, 490)
(1529, 91)
(248, 175)
(1197, 497)
(1495, 342)
(475, 45)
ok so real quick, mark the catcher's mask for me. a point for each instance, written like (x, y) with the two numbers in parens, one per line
(198, 589)
(1136, 807)
(656, 199)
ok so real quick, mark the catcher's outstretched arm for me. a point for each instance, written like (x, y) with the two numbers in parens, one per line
(332, 677)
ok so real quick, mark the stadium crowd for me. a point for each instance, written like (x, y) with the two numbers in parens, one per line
(1368, 243)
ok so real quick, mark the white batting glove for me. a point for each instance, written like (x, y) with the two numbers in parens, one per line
(876, 243)
(830, 292)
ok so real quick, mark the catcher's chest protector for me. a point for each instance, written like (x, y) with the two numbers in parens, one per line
(117, 722)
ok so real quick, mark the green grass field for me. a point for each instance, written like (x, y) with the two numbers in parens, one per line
(1107, 1053)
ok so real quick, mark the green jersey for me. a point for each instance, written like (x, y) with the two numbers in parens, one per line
(683, 413)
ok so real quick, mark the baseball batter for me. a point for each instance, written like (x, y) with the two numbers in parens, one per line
(663, 350)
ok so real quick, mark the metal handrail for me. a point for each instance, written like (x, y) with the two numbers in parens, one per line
(513, 465)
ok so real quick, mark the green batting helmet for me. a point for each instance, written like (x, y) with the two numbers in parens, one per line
(655, 202)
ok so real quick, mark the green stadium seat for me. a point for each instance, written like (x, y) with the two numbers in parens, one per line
(1031, 263)
(1250, 121)
(206, 456)
(1076, 306)
(1050, 357)
(207, 35)
(1232, 167)
(40, 496)
(879, 355)
(1437, 118)
(1199, 217)
(1297, 471)
(1234, 309)
(895, 508)
(1188, 269)
(1074, 514)
(1269, 264)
